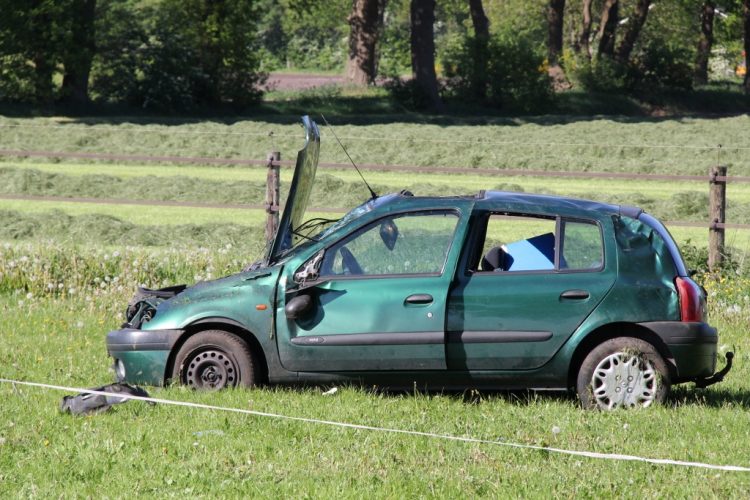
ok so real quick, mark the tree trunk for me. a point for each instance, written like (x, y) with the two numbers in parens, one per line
(423, 50)
(583, 39)
(746, 23)
(555, 13)
(43, 85)
(481, 56)
(365, 23)
(700, 72)
(608, 28)
(80, 52)
(479, 19)
(633, 30)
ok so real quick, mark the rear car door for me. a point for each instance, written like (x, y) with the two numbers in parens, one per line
(518, 300)
(381, 299)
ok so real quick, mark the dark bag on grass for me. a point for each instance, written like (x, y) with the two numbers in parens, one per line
(86, 403)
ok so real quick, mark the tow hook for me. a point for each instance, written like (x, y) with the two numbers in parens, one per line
(718, 376)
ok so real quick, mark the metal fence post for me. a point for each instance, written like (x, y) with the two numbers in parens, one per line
(272, 194)
(717, 204)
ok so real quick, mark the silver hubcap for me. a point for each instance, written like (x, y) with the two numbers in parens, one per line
(623, 379)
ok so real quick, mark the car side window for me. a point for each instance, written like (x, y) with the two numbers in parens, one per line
(514, 243)
(413, 243)
(581, 245)
(518, 243)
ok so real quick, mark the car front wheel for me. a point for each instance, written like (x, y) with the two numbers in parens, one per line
(214, 360)
(622, 372)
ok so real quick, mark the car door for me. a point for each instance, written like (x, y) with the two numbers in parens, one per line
(380, 300)
(515, 310)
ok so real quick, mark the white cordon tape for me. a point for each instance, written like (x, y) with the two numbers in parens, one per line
(448, 437)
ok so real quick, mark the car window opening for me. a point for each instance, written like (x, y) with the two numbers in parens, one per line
(514, 243)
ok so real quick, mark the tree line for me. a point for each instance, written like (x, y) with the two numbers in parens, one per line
(180, 54)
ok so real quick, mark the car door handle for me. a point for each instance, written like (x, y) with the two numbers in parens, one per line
(575, 294)
(419, 298)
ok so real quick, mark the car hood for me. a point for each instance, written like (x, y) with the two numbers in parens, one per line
(299, 192)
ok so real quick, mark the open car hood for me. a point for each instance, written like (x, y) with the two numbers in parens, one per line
(299, 192)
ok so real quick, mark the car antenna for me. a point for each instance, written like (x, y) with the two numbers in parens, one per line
(372, 193)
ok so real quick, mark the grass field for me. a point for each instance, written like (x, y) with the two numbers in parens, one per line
(68, 268)
(171, 451)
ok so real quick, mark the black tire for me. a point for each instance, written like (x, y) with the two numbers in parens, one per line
(214, 360)
(622, 372)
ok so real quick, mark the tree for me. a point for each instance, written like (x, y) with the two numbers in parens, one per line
(79, 51)
(584, 38)
(555, 12)
(608, 28)
(706, 40)
(746, 24)
(31, 35)
(634, 27)
(423, 50)
(365, 23)
(481, 38)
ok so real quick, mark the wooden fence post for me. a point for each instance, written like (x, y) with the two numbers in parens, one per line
(717, 203)
(272, 194)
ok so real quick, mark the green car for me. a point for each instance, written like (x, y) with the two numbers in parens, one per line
(496, 290)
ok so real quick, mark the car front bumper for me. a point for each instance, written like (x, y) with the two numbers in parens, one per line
(141, 356)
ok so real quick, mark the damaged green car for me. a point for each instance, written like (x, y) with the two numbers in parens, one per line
(495, 290)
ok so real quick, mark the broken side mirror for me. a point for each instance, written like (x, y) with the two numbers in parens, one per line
(310, 270)
(298, 306)
(389, 233)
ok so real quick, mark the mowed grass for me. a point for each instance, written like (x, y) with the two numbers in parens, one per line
(628, 144)
(137, 449)
(456, 183)
(156, 216)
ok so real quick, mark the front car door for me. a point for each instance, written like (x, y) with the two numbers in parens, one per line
(381, 296)
(520, 298)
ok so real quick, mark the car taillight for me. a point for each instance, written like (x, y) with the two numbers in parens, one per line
(692, 300)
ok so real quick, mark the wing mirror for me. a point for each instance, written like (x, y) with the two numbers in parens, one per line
(389, 233)
(298, 306)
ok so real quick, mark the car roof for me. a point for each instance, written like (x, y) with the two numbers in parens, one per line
(542, 202)
(506, 200)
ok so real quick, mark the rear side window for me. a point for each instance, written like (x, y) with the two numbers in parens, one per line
(581, 245)
(514, 243)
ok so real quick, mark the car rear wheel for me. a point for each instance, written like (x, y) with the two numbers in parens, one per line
(622, 372)
(214, 360)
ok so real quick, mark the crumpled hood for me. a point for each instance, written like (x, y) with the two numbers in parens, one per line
(230, 297)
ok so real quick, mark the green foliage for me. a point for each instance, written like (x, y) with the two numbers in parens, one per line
(394, 47)
(408, 93)
(32, 36)
(315, 34)
(599, 74)
(515, 76)
(653, 66)
(660, 65)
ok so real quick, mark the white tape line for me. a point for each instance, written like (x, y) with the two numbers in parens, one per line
(448, 437)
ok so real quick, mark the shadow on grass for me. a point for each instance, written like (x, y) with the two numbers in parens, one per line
(714, 397)
(680, 396)
(718, 99)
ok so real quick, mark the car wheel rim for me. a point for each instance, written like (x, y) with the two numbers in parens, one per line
(624, 380)
(211, 369)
